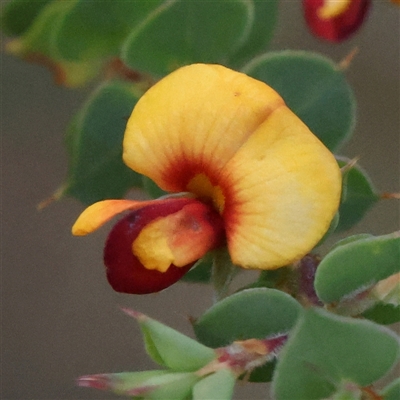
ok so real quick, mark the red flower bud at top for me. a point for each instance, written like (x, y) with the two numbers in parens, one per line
(181, 229)
(334, 20)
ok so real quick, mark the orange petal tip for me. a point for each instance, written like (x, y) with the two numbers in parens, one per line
(101, 212)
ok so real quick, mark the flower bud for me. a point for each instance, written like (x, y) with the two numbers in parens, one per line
(334, 20)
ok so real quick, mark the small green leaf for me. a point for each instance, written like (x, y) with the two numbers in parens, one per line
(150, 385)
(222, 272)
(96, 170)
(358, 196)
(177, 386)
(272, 278)
(324, 350)
(314, 88)
(39, 36)
(180, 32)
(347, 391)
(356, 265)
(391, 391)
(96, 28)
(121, 382)
(201, 271)
(250, 313)
(263, 373)
(263, 26)
(171, 348)
(18, 15)
(217, 386)
(350, 239)
(384, 314)
(37, 44)
(332, 228)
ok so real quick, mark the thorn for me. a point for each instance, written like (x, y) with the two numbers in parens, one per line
(134, 314)
(46, 202)
(192, 320)
(100, 381)
(275, 343)
(390, 196)
(349, 165)
(116, 67)
(345, 62)
(57, 195)
(371, 393)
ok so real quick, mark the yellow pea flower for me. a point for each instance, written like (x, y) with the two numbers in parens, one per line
(246, 172)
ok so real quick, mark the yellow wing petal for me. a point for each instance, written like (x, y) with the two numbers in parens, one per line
(282, 189)
(97, 214)
(179, 238)
(193, 121)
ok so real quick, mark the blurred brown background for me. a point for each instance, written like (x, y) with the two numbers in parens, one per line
(60, 319)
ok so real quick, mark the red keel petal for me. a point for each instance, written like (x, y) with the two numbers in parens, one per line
(125, 272)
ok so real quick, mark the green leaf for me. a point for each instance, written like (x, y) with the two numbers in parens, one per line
(262, 29)
(263, 373)
(350, 239)
(170, 348)
(217, 386)
(314, 88)
(356, 265)
(391, 391)
(18, 15)
(384, 314)
(251, 313)
(358, 196)
(347, 391)
(96, 170)
(149, 385)
(222, 272)
(324, 350)
(121, 382)
(180, 32)
(96, 28)
(177, 386)
(201, 271)
(39, 36)
(332, 228)
(38, 45)
(272, 278)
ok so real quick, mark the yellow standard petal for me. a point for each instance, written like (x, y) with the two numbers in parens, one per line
(282, 189)
(186, 127)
